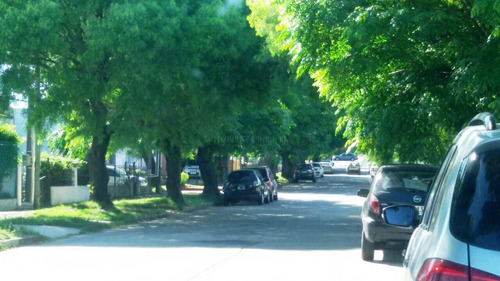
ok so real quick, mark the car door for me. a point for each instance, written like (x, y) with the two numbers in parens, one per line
(421, 243)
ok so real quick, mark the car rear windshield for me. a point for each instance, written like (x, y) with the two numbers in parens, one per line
(241, 176)
(407, 179)
(475, 213)
(304, 167)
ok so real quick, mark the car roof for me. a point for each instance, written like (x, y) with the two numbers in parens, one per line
(472, 136)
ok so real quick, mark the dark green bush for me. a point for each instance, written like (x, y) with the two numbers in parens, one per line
(9, 151)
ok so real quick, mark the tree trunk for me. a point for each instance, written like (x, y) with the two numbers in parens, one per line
(287, 166)
(208, 171)
(151, 166)
(98, 174)
(174, 169)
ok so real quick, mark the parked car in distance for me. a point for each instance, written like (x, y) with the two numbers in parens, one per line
(393, 185)
(270, 179)
(318, 170)
(373, 170)
(192, 169)
(304, 172)
(353, 167)
(345, 157)
(327, 167)
(118, 176)
(245, 184)
(459, 235)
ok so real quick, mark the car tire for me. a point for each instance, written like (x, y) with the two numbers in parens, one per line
(261, 200)
(367, 248)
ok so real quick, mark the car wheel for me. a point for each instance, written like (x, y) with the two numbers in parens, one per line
(367, 248)
(261, 200)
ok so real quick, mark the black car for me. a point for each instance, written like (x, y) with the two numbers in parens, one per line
(393, 185)
(270, 179)
(245, 184)
(304, 172)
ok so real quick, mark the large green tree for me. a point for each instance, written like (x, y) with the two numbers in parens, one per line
(74, 50)
(405, 76)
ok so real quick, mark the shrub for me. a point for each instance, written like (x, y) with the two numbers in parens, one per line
(58, 171)
(184, 178)
(9, 150)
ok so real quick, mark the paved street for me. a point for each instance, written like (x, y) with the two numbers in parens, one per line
(311, 233)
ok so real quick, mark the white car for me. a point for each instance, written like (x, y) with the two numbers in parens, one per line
(318, 170)
(353, 167)
(459, 235)
(373, 170)
(327, 167)
(192, 169)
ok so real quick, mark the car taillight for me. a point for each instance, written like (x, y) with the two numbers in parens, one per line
(442, 270)
(374, 204)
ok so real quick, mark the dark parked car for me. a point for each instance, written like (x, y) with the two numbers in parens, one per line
(393, 185)
(304, 172)
(246, 184)
(270, 179)
(345, 157)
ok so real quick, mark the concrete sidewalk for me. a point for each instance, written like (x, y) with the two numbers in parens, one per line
(44, 231)
(53, 232)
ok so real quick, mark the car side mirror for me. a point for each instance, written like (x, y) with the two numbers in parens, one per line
(363, 192)
(399, 215)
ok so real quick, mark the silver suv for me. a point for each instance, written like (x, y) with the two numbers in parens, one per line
(459, 235)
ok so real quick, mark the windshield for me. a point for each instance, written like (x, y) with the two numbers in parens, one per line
(476, 201)
(408, 179)
(241, 176)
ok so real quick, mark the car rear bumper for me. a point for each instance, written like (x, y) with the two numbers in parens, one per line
(304, 177)
(386, 236)
(254, 194)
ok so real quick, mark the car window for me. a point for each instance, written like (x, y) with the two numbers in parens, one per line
(416, 180)
(241, 176)
(263, 173)
(436, 191)
(475, 209)
(304, 166)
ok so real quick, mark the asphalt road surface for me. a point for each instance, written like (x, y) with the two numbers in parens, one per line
(311, 233)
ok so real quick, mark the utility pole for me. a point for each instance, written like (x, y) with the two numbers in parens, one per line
(37, 146)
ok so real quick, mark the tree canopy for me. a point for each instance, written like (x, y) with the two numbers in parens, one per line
(404, 76)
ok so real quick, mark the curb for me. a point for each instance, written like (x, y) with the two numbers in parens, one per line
(20, 241)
